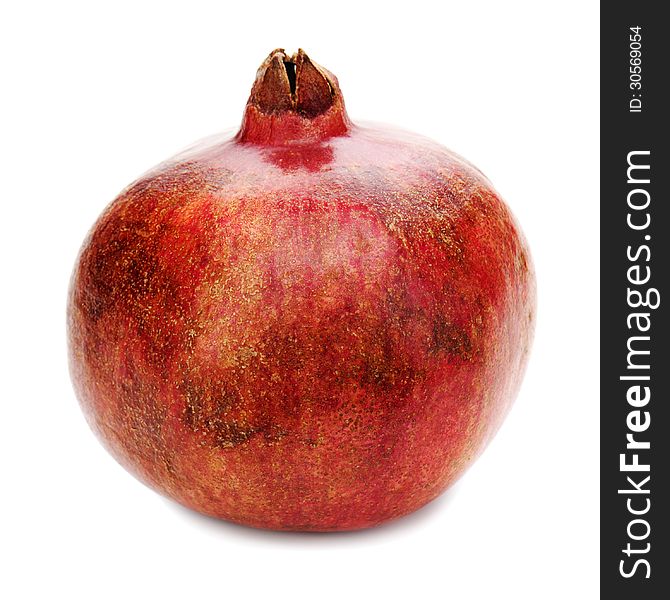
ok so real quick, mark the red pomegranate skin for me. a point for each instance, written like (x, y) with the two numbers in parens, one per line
(311, 325)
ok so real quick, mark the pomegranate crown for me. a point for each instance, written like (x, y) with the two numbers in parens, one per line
(293, 100)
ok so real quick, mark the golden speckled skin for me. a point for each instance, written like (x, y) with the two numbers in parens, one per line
(319, 336)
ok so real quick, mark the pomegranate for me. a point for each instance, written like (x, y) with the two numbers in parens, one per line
(312, 325)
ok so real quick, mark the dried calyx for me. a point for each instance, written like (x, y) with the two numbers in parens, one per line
(292, 83)
(293, 100)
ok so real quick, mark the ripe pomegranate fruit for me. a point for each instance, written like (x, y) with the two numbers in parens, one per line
(312, 325)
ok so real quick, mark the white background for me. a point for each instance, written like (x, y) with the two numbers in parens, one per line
(95, 93)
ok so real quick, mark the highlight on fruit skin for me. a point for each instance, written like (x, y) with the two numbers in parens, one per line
(312, 325)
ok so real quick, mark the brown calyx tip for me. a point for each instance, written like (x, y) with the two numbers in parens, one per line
(293, 83)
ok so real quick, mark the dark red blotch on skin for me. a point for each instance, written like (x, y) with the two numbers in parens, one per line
(312, 326)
